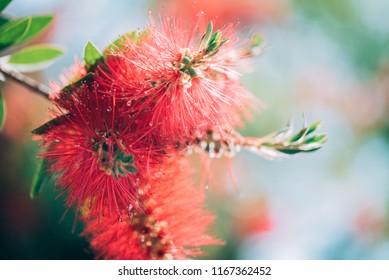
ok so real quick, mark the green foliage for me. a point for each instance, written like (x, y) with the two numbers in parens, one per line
(214, 43)
(211, 41)
(256, 40)
(12, 31)
(131, 168)
(17, 31)
(341, 20)
(118, 43)
(50, 124)
(3, 20)
(37, 25)
(35, 54)
(281, 144)
(41, 178)
(207, 33)
(91, 55)
(4, 4)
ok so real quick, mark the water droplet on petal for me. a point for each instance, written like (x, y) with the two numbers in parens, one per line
(109, 109)
(129, 103)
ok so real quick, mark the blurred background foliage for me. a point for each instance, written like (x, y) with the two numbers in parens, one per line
(328, 59)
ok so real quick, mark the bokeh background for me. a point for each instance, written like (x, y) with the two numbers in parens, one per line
(326, 58)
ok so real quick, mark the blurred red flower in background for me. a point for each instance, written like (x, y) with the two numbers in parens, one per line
(245, 11)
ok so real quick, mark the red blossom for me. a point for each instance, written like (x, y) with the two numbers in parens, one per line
(94, 150)
(173, 224)
(179, 81)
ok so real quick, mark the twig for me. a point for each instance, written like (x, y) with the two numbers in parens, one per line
(27, 82)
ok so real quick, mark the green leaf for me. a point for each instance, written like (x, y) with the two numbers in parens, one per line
(312, 150)
(2, 112)
(4, 4)
(35, 54)
(289, 151)
(3, 20)
(313, 127)
(50, 124)
(38, 24)
(256, 40)
(299, 135)
(12, 31)
(41, 178)
(208, 32)
(131, 169)
(91, 55)
(316, 139)
(129, 159)
(118, 44)
(214, 38)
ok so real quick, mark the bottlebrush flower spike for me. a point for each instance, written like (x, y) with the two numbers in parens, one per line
(93, 149)
(172, 226)
(179, 81)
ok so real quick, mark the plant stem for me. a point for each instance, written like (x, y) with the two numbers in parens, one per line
(27, 82)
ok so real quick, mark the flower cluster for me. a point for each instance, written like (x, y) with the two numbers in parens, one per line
(171, 225)
(126, 119)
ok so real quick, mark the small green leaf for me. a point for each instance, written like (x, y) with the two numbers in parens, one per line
(316, 139)
(131, 169)
(2, 112)
(38, 24)
(299, 135)
(4, 4)
(313, 127)
(41, 178)
(192, 72)
(256, 40)
(208, 32)
(129, 159)
(215, 37)
(50, 124)
(222, 42)
(3, 20)
(120, 156)
(118, 44)
(289, 151)
(91, 55)
(312, 150)
(35, 54)
(12, 31)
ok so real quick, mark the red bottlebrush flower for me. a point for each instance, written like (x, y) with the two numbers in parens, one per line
(94, 151)
(178, 81)
(172, 225)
